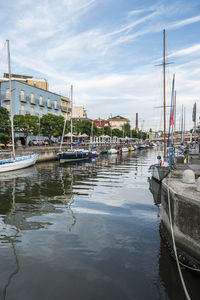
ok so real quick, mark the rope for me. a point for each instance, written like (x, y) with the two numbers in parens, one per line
(174, 247)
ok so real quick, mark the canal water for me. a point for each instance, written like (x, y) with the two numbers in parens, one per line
(85, 231)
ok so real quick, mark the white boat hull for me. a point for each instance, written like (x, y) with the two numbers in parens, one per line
(18, 163)
(112, 151)
(125, 150)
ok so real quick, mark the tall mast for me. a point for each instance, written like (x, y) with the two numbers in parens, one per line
(71, 112)
(164, 105)
(11, 108)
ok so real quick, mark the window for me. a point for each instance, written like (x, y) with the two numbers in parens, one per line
(8, 107)
(41, 112)
(40, 100)
(8, 94)
(22, 95)
(32, 98)
(55, 104)
(49, 102)
(55, 113)
(32, 111)
(22, 110)
(49, 112)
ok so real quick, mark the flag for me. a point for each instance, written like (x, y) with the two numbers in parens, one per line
(194, 113)
(171, 118)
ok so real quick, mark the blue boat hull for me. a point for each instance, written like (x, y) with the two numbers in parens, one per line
(72, 156)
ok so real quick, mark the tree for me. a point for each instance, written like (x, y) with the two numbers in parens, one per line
(127, 129)
(107, 131)
(117, 132)
(5, 126)
(51, 125)
(27, 124)
(134, 134)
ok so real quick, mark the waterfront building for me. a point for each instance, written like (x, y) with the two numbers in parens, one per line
(40, 83)
(118, 122)
(28, 99)
(100, 123)
(79, 112)
(65, 107)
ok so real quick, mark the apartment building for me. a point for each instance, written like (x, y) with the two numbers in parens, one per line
(118, 122)
(40, 83)
(29, 99)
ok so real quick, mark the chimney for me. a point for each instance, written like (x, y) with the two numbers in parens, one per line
(136, 125)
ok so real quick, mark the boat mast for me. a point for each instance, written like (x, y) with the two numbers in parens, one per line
(11, 108)
(71, 112)
(164, 105)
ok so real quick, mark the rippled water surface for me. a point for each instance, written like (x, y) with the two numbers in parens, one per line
(85, 231)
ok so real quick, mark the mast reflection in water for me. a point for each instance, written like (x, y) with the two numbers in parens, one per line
(84, 231)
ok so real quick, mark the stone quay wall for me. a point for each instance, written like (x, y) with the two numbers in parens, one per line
(185, 212)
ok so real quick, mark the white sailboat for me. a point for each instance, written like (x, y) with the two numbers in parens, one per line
(15, 163)
(112, 150)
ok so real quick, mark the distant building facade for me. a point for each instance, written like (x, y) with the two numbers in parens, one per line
(79, 112)
(100, 123)
(118, 122)
(28, 99)
(40, 83)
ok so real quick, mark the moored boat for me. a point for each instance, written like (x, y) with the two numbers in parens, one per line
(15, 163)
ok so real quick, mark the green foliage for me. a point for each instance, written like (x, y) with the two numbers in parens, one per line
(117, 132)
(51, 125)
(84, 126)
(142, 135)
(107, 131)
(134, 134)
(5, 126)
(27, 124)
(127, 129)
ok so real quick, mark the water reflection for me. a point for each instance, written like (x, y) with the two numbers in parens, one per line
(88, 224)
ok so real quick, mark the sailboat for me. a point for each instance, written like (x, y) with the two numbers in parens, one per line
(15, 163)
(92, 153)
(161, 169)
(112, 150)
(71, 154)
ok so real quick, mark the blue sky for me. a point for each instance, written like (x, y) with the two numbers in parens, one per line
(108, 50)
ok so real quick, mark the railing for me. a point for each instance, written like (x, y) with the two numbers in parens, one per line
(4, 97)
(22, 99)
(64, 108)
(32, 102)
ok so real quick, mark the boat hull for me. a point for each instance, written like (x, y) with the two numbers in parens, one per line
(72, 156)
(159, 172)
(112, 151)
(18, 163)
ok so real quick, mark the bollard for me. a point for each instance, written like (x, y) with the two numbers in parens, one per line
(198, 184)
(188, 176)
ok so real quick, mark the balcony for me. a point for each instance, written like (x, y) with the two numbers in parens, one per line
(22, 99)
(49, 105)
(32, 102)
(64, 108)
(5, 98)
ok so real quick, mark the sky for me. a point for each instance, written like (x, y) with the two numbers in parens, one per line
(110, 50)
